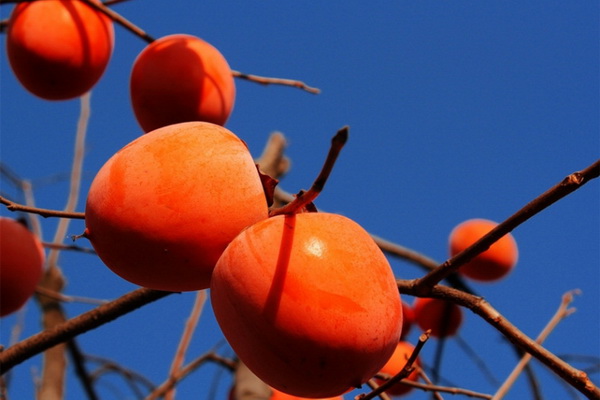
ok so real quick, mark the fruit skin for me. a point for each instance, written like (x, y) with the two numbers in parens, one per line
(491, 265)
(21, 265)
(277, 395)
(180, 78)
(58, 49)
(395, 364)
(441, 316)
(308, 302)
(160, 212)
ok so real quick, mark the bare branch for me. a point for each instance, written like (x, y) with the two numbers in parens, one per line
(551, 196)
(562, 312)
(576, 378)
(92, 319)
(263, 80)
(12, 206)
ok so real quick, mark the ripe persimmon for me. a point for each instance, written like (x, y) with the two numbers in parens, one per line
(21, 265)
(161, 211)
(308, 302)
(441, 316)
(491, 265)
(395, 364)
(58, 49)
(180, 78)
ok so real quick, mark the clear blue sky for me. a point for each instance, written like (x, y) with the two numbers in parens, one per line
(456, 110)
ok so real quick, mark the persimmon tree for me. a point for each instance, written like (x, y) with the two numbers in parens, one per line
(332, 315)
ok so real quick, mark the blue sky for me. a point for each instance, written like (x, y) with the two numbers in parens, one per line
(456, 110)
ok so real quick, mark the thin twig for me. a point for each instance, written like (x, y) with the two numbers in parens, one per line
(551, 196)
(13, 206)
(337, 143)
(562, 312)
(189, 368)
(85, 322)
(40, 290)
(576, 378)
(263, 80)
(408, 368)
(186, 338)
(68, 247)
(124, 22)
(80, 369)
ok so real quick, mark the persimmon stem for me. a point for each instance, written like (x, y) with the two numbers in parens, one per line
(304, 198)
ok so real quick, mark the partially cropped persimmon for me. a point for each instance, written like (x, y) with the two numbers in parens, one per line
(180, 78)
(494, 263)
(308, 302)
(21, 265)
(58, 49)
(161, 211)
(441, 316)
(395, 364)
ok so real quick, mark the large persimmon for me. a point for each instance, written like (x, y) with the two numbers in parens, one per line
(58, 49)
(308, 302)
(21, 265)
(395, 364)
(180, 78)
(441, 316)
(491, 265)
(161, 211)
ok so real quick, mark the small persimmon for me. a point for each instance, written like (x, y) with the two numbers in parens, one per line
(441, 316)
(395, 364)
(161, 211)
(180, 78)
(21, 265)
(58, 49)
(491, 265)
(308, 302)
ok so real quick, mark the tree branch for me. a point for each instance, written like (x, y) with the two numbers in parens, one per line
(551, 196)
(92, 319)
(576, 378)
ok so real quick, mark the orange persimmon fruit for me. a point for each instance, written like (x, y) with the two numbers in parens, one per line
(180, 78)
(395, 364)
(58, 49)
(491, 265)
(277, 395)
(441, 316)
(161, 210)
(21, 265)
(308, 302)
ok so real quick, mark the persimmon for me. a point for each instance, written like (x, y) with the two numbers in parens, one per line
(21, 265)
(395, 364)
(441, 316)
(491, 265)
(308, 302)
(161, 210)
(180, 78)
(408, 318)
(58, 49)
